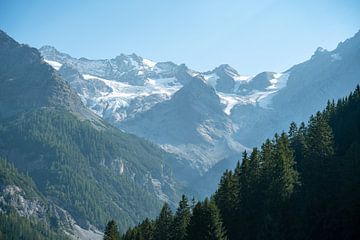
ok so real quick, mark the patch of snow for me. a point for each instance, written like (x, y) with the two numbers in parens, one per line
(118, 97)
(242, 78)
(211, 79)
(134, 63)
(193, 73)
(88, 77)
(149, 63)
(262, 98)
(54, 64)
(229, 100)
(279, 81)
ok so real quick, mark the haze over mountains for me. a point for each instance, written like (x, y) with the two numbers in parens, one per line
(207, 117)
(67, 128)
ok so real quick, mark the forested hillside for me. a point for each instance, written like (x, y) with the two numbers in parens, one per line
(18, 190)
(303, 184)
(77, 165)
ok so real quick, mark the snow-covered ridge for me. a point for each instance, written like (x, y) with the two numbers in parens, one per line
(149, 63)
(54, 64)
(119, 96)
(253, 97)
(131, 84)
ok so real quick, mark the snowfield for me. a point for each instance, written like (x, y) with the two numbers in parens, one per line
(120, 96)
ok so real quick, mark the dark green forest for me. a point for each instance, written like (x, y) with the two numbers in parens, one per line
(303, 184)
(15, 227)
(62, 155)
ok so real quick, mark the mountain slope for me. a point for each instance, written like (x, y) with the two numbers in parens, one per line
(24, 76)
(19, 200)
(327, 75)
(77, 161)
(191, 121)
(124, 102)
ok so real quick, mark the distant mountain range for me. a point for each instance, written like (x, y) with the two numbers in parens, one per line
(186, 112)
(207, 117)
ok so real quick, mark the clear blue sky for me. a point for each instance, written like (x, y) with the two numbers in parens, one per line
(252, 36)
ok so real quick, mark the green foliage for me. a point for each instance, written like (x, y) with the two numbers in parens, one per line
(163, 223)
(299, 186)
(13, 227)
(78, 164)
(10, 176)
(226, 198)
(111, 231)
(144, 231)
(181, 220)
(205, 223)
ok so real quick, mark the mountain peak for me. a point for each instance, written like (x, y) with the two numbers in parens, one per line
(320, 50)
(52, 54)
(197, 91)
(6, 39)
(226, 69)
(27, 82)
(48, 48)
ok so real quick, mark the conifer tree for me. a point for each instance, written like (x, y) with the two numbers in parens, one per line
(181, 220)
(320, 138)
(285, 177)
(205, 223)
(111, 231)
(146, 229)
(298, 143)
(163, 223)
(226, 199)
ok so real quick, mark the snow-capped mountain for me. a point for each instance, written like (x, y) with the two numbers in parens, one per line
(132, 84)
(309, 85)
(118, 88)
(132, 69)
(191, 124)
(185, 111)
(205, 117)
